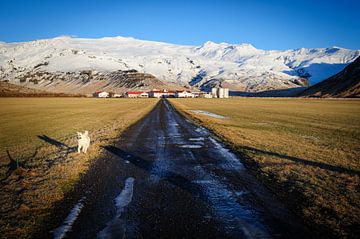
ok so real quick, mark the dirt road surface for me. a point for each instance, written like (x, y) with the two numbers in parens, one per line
(170, 178)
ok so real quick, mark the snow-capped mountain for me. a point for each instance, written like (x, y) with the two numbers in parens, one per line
(237, 66)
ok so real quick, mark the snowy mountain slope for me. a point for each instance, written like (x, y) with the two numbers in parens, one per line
(238, 66)
(344, 84)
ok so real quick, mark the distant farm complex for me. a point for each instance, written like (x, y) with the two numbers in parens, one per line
(215, 93)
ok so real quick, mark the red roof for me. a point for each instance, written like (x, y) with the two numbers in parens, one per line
(180, 91)
(135, 92)
(157, 91)
(161, 91)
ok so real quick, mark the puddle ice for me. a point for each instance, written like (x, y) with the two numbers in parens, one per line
(66, 226)
(207, 113)
(191, 146)
(197, 139)
(231, 159)
(116, 227)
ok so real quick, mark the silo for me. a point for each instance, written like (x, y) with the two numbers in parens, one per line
(226, 92)
(221, 92)
(214, 92)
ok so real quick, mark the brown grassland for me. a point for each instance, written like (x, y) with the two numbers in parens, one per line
(307, 151)
(39, 133)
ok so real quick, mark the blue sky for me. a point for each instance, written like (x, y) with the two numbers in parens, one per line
(282, 24)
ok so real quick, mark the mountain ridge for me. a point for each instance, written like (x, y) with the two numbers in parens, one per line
(237, 66)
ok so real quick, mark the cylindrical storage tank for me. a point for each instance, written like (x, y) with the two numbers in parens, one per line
(226, 92)
(214, 92)
(221, 93)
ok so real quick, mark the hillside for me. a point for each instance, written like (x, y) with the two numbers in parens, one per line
(10, 90)
(344, 84)
(241, 67)
(88, 81)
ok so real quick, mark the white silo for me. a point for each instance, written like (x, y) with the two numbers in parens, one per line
(214, 92)
(226, 92)
(221, 92)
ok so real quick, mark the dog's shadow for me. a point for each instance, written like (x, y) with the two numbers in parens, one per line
(60, 145)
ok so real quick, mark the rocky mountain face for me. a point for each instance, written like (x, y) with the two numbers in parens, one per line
(88, 81)
(10, 90)
(78, 65)
(344, 84)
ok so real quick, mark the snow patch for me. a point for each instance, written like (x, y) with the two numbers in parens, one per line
(203, 112)
(191, 146)
(66, 226)
(201, 130)
(232, 161)
(116, 227)
(125, 197)
(241, 65)
(197, 139)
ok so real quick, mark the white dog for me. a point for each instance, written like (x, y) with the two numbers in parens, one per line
(83, 141)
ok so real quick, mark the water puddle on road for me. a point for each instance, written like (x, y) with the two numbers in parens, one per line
(207, 113)
(116, 227)
(66, 226)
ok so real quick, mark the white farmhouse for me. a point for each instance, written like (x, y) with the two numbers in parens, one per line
(117, 95)
(184, 94)
(206, 95)
(137, 94)
(161, 93)
(101, 94)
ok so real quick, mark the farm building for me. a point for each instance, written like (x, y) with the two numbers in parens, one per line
(156, 93)
(218, 92)
(169, 93)
(161, 93)
(117, 95)
(101, 94)
(184, 94)
(205, 95)
(137, 94)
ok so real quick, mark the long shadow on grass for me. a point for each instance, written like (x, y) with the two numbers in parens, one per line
(325, 166)
(57, 143)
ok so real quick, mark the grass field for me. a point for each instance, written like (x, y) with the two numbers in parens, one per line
(23, 119)
(306, 150)
(40, 134)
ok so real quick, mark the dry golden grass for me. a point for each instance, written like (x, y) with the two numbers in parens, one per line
(28, 193)
(23, 119)
(306, 150)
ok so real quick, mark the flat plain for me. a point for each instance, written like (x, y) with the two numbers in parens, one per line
(305, 150)
(40, 135)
